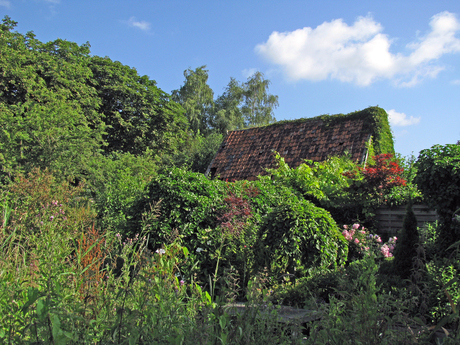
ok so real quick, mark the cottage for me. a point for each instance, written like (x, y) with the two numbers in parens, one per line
(245, 154)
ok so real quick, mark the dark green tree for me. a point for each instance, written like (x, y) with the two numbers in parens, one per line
(408, 239)
(139, 116)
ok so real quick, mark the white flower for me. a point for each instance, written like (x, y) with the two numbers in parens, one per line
(160, 251)
(199, 249)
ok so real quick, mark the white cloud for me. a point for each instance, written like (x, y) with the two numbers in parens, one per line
(143, 25)
(5, 3)
(360, 53)
(455, 82)
(401, 119)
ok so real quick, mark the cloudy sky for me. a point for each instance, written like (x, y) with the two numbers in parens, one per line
(322, 57)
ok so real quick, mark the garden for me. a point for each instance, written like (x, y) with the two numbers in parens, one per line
(110, 233)
(188, 247)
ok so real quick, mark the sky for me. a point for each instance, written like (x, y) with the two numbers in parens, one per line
(321, 57)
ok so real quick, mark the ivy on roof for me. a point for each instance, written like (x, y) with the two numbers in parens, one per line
(375, 121)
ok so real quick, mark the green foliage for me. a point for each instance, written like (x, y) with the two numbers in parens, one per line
(197, 98)
(324, 183)
(198, 154)
(62, 108)
(227, 115)
(359, 315)
(443, 275)
(297, 236)
(438, 179)
(120, 182)
(139, 116)
(47, 109)
(408, 239)
(258, 105)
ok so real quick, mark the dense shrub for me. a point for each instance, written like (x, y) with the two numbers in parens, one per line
(438, 177)
(298, 236)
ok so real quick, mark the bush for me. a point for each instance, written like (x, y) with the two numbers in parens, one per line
(438, 178)
(297, 237)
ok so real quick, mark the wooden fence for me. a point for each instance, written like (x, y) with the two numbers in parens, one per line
(390, 220)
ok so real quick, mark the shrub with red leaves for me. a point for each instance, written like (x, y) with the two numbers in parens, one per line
(384, 174)
(379, 177)
(237, 211)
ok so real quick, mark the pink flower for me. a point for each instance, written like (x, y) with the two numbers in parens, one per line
(356, 241)
(356, 226)
(345, 227)
(363, 232)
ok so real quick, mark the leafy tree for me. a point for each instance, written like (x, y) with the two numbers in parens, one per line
(258, 104)
(438, 178)
(228, 115)
(48, 112)
(139, 116)
(197, 98)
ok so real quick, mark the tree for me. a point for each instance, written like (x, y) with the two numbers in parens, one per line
(408, 239)
(197, 98)
(139, 116)
(228, 115)
(48, 112)
(258, 104)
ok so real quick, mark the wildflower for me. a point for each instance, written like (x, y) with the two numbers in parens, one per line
(356, 241)
(160, 251)
(52, 217)
(356, 226)
(198, 250)
(182, 282)
(345, 227)
(363, 232)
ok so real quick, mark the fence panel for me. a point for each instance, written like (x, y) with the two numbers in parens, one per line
(390, 220)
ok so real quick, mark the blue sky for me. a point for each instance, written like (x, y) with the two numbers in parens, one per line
(322, 57)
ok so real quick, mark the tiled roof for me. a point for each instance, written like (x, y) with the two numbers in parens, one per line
(244, 154)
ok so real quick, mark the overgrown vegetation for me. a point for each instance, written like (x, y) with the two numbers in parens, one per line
(108, 235)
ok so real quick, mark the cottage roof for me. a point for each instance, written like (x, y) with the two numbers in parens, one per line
(245, 154)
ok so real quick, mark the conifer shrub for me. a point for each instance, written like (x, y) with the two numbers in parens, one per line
(405, 250)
